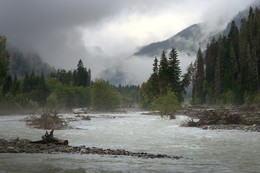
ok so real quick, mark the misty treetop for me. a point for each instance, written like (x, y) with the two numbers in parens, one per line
(78, 77)
(229, 73)
(165, 85)
(4, 60)
(62, 89)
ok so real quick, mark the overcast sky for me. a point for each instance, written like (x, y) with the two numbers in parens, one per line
(104, 32)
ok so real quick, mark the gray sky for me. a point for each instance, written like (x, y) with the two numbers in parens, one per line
(105, 32)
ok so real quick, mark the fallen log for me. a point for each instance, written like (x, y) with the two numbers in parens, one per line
(49, 138)
(48, 121)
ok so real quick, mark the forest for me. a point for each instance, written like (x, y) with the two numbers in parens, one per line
(229, 70)
(61, 90)
(226, 73)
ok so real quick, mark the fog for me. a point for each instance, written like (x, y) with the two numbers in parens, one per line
(105, 33)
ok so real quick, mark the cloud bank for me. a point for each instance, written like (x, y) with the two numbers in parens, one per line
(104, 33)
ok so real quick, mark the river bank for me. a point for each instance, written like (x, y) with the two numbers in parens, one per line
(208, 118)
(202, 150)
(25, 146)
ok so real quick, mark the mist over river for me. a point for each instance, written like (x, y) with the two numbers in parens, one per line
(226, 151)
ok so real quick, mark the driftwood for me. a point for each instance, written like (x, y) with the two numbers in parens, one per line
(49, 138)
(222, 117)
(49, 120)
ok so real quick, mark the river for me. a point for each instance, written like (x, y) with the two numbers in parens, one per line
(226, 151)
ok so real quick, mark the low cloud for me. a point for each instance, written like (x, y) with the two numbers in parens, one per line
(105, 33)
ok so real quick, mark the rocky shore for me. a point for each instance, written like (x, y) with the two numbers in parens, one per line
(241, 118)
(25, 146)
(246, 128)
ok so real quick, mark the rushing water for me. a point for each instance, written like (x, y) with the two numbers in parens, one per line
(203, 150)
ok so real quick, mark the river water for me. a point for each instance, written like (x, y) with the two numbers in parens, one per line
(203, 150)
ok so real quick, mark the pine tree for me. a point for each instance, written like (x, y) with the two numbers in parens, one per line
(199, 96)
(163, 74)
(26, 83)
(4, 60)
(81, 76)
(154, 79)
(174, 73)
(7, 85)
(15, 86)
(155, 66)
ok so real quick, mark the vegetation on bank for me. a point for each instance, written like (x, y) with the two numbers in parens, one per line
(61, 90)
(164, 90)
(227, 73)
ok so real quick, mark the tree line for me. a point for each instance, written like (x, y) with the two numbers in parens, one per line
(61, 89)
(165, 88)
(229, 70)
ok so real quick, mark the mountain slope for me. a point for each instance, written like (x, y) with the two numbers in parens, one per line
(190, 39)
(20, 64)
(187, 40)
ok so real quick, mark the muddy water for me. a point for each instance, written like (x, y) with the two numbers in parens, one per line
(203, 150)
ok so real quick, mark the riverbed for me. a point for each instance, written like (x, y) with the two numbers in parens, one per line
(230, 151)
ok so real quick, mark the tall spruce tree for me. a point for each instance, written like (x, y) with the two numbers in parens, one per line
(81, 76)
(174, 73)
(4, 60)
(199, 96)
(231, 65)
(163, 73)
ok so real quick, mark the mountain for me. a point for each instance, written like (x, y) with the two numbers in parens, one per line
(190, 39)
(21, 63)
(187, 40)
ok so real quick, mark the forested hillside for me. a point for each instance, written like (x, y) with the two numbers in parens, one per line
(21, 63)
(229, 73)
(165, 88)
(61, 89)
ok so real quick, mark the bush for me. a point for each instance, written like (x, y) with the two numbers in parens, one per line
(104, 97)
(166, 103)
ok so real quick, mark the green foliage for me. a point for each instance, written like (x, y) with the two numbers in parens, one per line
(21, 63)
(199, 96)
(129, 95)
(232, 74)
(64, 89)
(256, 100)
(164, 83)
(7, 85)
(35, 88)
(52, 101)
(67, 96)
(104, 97)
(4, 60)
(79, 77)
(230, 97)
(174, 72)
(166, 103)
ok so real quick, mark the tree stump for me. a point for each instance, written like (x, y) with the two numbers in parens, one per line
(49, 138)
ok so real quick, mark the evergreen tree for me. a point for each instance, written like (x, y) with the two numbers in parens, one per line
(7, 85)
(155, 66)
(26, 84)
(163, 74)
(15, 86)
(231, 65)
(199, 96)
(174, 73)
(4, 60)
(82, 76)
(104, 96)
(187, 78)
(164, 83)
